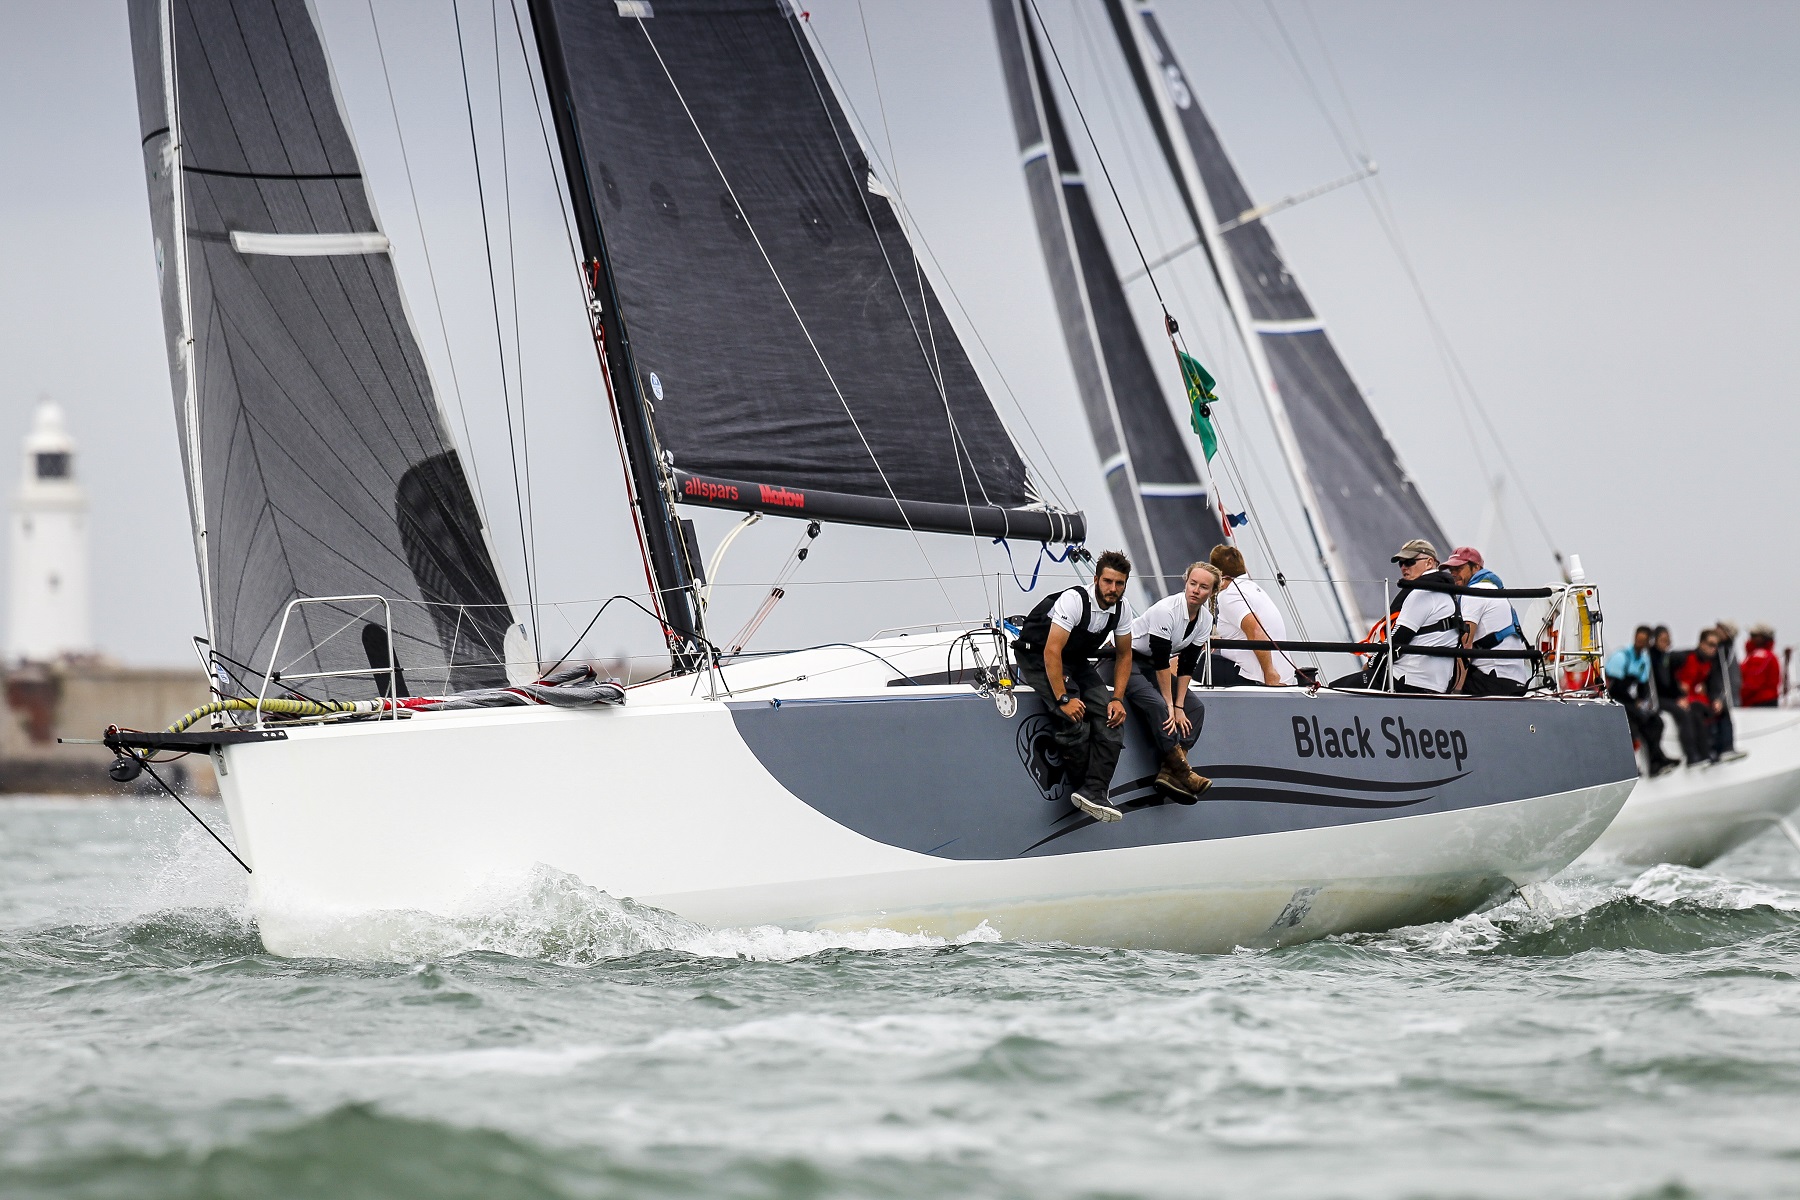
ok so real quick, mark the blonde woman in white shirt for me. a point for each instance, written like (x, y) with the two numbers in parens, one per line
(1167, 640)
(1246, 611)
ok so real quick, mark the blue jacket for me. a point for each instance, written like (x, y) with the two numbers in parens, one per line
(1629, 663)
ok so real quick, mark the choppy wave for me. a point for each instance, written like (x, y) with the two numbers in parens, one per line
(353, 1151)
(360, 1152)
(1666, 909)
(553, 916)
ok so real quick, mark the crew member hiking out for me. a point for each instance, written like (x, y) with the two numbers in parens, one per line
(1167, 641)
(1056, 649)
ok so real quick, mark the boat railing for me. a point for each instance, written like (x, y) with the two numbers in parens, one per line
(274, 676)
(1568, 650)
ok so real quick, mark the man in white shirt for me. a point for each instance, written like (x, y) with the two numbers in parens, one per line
(1426, 618)
(1166, 643)
(1492, 625)
(1056, 649)
(1248, 612)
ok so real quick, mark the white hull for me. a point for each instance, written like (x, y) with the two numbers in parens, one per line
(663, 801)
(1692, 815)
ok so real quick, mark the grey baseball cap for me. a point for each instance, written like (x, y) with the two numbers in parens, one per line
(1414, 549)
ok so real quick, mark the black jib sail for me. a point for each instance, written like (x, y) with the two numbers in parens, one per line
(1168, 518)
(773, 320)
(318, 461)
(1360, 497)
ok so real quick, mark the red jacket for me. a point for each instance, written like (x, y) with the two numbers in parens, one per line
(1761, 673)
(1693, 675)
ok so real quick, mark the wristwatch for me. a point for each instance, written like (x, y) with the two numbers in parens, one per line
(1062, 700)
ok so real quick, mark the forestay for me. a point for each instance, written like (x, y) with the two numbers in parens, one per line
(1168, 517)
(318, 460)
(1366, 501)
(793, 355)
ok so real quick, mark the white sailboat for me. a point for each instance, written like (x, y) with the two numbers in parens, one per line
(737, 249)
(1693, 814)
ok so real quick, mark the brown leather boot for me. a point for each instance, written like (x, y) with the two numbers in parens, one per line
(1171, 781)
(1192, 780)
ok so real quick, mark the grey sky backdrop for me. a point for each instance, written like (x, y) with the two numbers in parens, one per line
(1599, 200)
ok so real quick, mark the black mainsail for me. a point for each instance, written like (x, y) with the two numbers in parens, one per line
(762, 308)
(1359, 499)
(319, 463)
(1168, 517)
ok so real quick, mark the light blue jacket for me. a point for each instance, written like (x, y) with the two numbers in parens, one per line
(1627, 662)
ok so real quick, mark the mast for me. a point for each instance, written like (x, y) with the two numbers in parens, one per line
(1147, 61)
(652, 486)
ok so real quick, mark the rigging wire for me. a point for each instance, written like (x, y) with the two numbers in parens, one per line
(1176, 341)
(499, 339)
(1098, 157)
(512, 270)
(1461, 385)
(1061, 493)
(959, 449)
(563, 205)
(430, 270)
(794, 309)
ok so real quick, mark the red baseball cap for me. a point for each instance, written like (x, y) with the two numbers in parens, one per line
(1465, 556)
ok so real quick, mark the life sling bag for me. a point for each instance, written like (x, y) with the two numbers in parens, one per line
(1083, 643)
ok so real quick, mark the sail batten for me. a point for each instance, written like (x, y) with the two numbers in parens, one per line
(318, 459)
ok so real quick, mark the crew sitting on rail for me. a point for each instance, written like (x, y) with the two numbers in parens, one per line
(1492, 625)
(1056, 648)
(1167, 640)
(1426, 618)
(1248, 612)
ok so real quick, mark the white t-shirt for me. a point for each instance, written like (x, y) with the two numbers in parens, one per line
(1240, 598)
(1420, 609)
(1168, 620)
(1491, 616)
(1067, 610)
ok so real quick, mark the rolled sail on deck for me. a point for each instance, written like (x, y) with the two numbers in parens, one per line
(782, 334)
(318, 460)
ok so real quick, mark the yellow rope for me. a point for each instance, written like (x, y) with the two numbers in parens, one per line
(278, 708)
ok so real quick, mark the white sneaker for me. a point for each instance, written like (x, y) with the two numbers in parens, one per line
(1100, 812)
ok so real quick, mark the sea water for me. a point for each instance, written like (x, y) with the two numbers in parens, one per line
(1628, 1035)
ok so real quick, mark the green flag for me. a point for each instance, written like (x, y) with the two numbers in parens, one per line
(1200, 395)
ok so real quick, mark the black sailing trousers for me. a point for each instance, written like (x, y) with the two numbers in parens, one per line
(1089, 749)
(1146, 699)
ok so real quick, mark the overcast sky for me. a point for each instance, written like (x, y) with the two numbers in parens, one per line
(1599, 201)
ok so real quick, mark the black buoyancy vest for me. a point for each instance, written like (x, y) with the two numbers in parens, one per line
(1083, 643)
(1443, 624)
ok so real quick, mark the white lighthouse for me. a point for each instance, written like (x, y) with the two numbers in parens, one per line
(48, 617)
